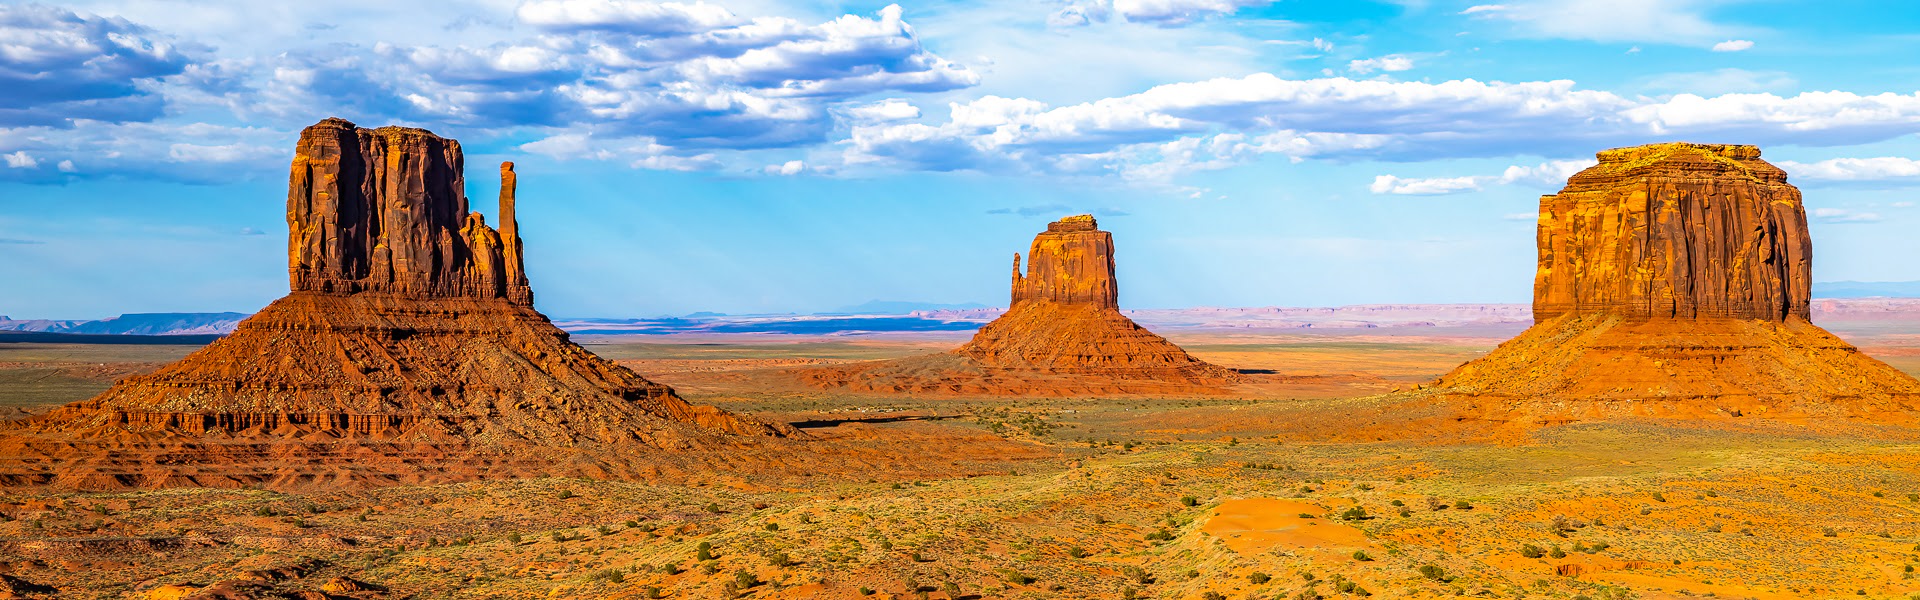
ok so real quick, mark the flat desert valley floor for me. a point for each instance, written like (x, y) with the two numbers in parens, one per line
(1187, 498)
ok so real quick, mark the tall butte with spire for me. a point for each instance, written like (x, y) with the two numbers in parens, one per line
(1674, 279)
(408, 351)
(1062, 334)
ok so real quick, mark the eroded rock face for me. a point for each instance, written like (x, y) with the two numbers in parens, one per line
(1070, 263)
(386, 210)
(1674, 280)
(408, 352)
(1063, 334)
(1675, 230)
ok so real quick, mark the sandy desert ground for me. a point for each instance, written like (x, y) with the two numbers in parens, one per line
(1187, 498)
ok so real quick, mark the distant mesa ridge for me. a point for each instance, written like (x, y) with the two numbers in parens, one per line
(408, 351)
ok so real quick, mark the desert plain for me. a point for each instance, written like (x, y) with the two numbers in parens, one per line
(1235, 495)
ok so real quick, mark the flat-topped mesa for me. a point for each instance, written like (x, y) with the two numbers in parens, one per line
(1673, 282)
(385, 210)
(1675, 230)
(1070, 263)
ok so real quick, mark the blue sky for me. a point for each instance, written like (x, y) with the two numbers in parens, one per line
(779, 156)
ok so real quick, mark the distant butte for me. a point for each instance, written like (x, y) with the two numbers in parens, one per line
(1674, 280)
(407, 352)
(1062, 334)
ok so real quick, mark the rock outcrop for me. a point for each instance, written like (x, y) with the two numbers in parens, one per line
(1675, 230)
(1070, 263)
(408, 351)
(1063, 334)
(1674, 280)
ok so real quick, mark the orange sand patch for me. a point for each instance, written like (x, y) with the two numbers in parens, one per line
(1646, 582)
(1253, 525)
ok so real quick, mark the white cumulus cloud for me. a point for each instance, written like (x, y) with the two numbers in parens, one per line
(644, 18)
(1733, 46)
(886, 110)
(789, 168)
(21, 160)
(1883, 169)
(1388, 184)
(1183, 124)
(1550, 174)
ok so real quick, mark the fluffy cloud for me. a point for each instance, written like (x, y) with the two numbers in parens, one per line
(57, 65)
(86, 148)
(883, 111)
(1882, 170)
(688, 76)
(1733, 46)
(1183, 127)
(685, 75)
(789, 168)
(1161, 13)
(661, 85)
(1388, 184)
(21, 160)
(1549, 174)
(640, 18)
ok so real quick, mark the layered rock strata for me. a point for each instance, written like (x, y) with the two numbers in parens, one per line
(1062, 334)
(1675, 230)
(408, 351)
(1674, 279)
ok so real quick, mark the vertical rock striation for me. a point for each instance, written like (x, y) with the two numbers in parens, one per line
(386, 210)
(1674, 280)
(1675, 230)
(408, 352)
(1070, 263)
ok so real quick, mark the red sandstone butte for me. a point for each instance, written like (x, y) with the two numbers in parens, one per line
(1675, 230)
(408, 351)
(1674, 280)
(1063, 334)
